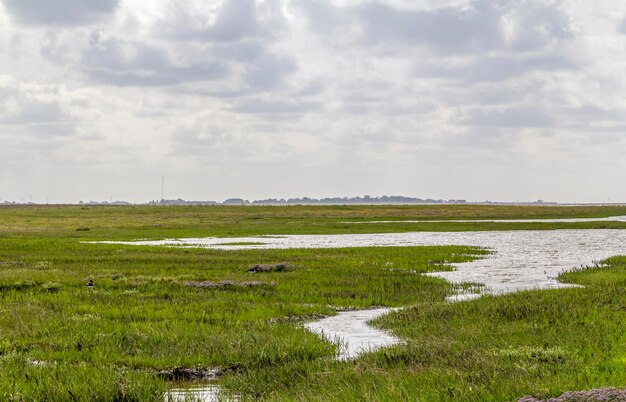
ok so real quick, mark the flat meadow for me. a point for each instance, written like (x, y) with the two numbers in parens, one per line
(159, 316)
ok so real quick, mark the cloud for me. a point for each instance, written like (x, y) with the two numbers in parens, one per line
(60, 12)
(534, 26)
(510, 117)
(229, 47)
(276, 106)
(621, 26)
(270, 70)
(244, 51)
(124, 63)
(33, 110)
(233, 21)
(398, 89)
(447, 30)
(480, 26)
(497, 67)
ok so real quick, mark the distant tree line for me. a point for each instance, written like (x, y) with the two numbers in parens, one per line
(385, 199)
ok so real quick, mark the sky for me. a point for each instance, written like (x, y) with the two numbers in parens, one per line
(453, 99)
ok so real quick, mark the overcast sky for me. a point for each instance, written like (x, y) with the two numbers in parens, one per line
(485, 99)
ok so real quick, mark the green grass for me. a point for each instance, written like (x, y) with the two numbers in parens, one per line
(122, 223)
(62, 341)
(491, 349)
(141, 318)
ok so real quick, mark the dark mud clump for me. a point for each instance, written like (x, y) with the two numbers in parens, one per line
(183, 373)
(593, 395)
(280, 267)
(227, 284)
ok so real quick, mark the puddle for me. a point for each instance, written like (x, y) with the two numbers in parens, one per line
(206, 393)
(349, 329)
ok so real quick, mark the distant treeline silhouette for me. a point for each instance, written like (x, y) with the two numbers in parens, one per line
(385, 199)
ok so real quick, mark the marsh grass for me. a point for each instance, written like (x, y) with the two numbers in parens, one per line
(130, 222)
(540, 343)
(140, 318)
(60, 340)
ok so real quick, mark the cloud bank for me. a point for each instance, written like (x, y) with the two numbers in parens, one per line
(475, 99)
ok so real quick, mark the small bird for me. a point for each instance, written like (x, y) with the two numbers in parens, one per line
(90, 284)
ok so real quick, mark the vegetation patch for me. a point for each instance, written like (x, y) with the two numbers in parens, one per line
(19, 285)
(279, 267)
(188, 374)
(534, 354)
(594, 395)
(227, 284)
(51, 287)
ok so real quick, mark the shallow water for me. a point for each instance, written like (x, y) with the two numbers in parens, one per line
(205, 393)
(349, 329)
(520, 260)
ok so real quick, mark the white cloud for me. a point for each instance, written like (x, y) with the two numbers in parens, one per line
(278, 98)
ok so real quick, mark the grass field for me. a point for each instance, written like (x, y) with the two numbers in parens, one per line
(145, 315)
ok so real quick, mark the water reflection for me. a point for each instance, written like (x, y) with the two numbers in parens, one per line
(204, 393)
(520, 260)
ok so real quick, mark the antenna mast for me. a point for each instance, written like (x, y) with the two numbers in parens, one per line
(162, 188)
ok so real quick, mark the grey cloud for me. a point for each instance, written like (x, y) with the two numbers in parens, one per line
(199, 137)
(621, 27)
(387, 107)
(511, 117)
(247, 62)
(270, 70)
(596, 113)
(33, 112)
(276, 106)
(162, 77)
(447, 30)
(312, 88)
(322, 16)
(235, 20)
(22, 111)
(123, 63)
(479, 139)
(594, 119)
(59, 12)
(537, 25)
(499, 67)
(243, 51)
(478, 27)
